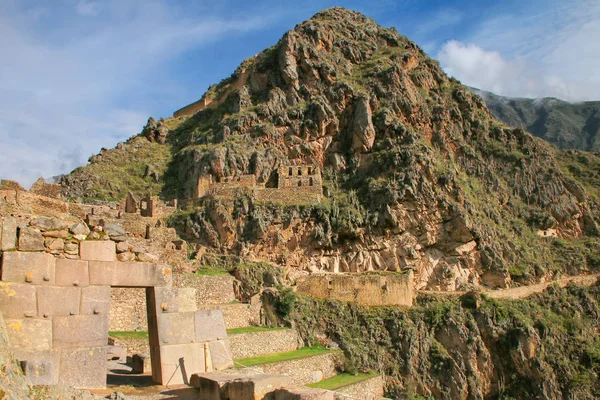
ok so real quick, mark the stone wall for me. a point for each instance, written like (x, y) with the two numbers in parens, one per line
(239, 315)
(369, 289)
(128, 305)
(128, 309)
(43, 188)
(306, 370)
(57, 314)
(295, 185)
(252, 344)
(133, 346)
(369, 389)
(210, 289)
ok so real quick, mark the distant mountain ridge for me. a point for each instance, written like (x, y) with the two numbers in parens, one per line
(565, 125)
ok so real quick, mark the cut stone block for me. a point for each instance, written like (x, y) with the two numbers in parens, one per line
(30, 239)
(210, 325)
(83, 368)
(8, 234)
(132, 274)
(58, 300)
(186, 300)
(80, 331)
(176, 328)
(213, 385)
(30, 334)
(95, 300)
(97, 250)
(300, 393)
(72, 273)
(256, 386)
(40, 367)
(184, 359)
(35, 268)
(140, 363)
(220, 355)
(17, 300)
(165, 300)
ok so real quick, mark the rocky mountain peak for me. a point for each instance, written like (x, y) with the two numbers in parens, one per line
(416, 172)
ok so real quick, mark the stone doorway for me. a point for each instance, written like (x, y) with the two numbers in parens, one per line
(57, 313)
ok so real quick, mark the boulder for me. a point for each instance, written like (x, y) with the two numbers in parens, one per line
(115, 232)
(79, 229)
(48, 223)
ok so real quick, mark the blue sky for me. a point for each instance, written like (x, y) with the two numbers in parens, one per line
(78, 75)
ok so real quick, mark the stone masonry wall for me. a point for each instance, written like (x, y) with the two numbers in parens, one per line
(238, 315)
(252, 344)
(364, 289)
(57, 315)
(128, 305)
(128, 309)
(210, 289)
(370, 389)
(306, 370)
(133, 346)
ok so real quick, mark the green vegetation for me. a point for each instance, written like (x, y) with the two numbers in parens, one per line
(113, 173)
(543, 346)
(342, 380)
(254, 329)
(209, 270)
(128, 334)
(278, 357)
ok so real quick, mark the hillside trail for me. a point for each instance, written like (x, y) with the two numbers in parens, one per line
(525, 291)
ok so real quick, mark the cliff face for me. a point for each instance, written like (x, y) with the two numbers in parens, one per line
(566, 125)
(417, 174)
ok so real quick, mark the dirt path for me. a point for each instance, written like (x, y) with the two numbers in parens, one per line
(525, 291)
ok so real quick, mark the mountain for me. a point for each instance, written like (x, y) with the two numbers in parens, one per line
(400, 168)
(566, 125)
(416, 172)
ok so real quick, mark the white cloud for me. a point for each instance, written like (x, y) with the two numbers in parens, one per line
(65, 88)
(553, 53)
(487, 70)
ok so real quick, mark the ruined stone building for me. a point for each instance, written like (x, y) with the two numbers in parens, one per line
(294, 185)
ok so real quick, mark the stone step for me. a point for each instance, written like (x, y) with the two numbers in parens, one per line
(258, 341)
(303, 366)
(369, 386)
(237, 315)
(241, 384)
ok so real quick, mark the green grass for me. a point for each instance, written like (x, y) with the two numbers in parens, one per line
(209, 270)
(128, 334)
(341, 380)
(278, 357)
(252, 329)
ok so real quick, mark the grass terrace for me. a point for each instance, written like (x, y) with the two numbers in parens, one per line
(278, 357)
(341, 380)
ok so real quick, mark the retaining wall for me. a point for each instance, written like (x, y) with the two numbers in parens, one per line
(252, 344)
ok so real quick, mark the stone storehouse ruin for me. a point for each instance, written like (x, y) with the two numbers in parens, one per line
(57, 313)
(368, 289)
(295, 184)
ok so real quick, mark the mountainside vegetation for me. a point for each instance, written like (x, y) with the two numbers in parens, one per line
(417, 173)
(565, 125)
(472, 347)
